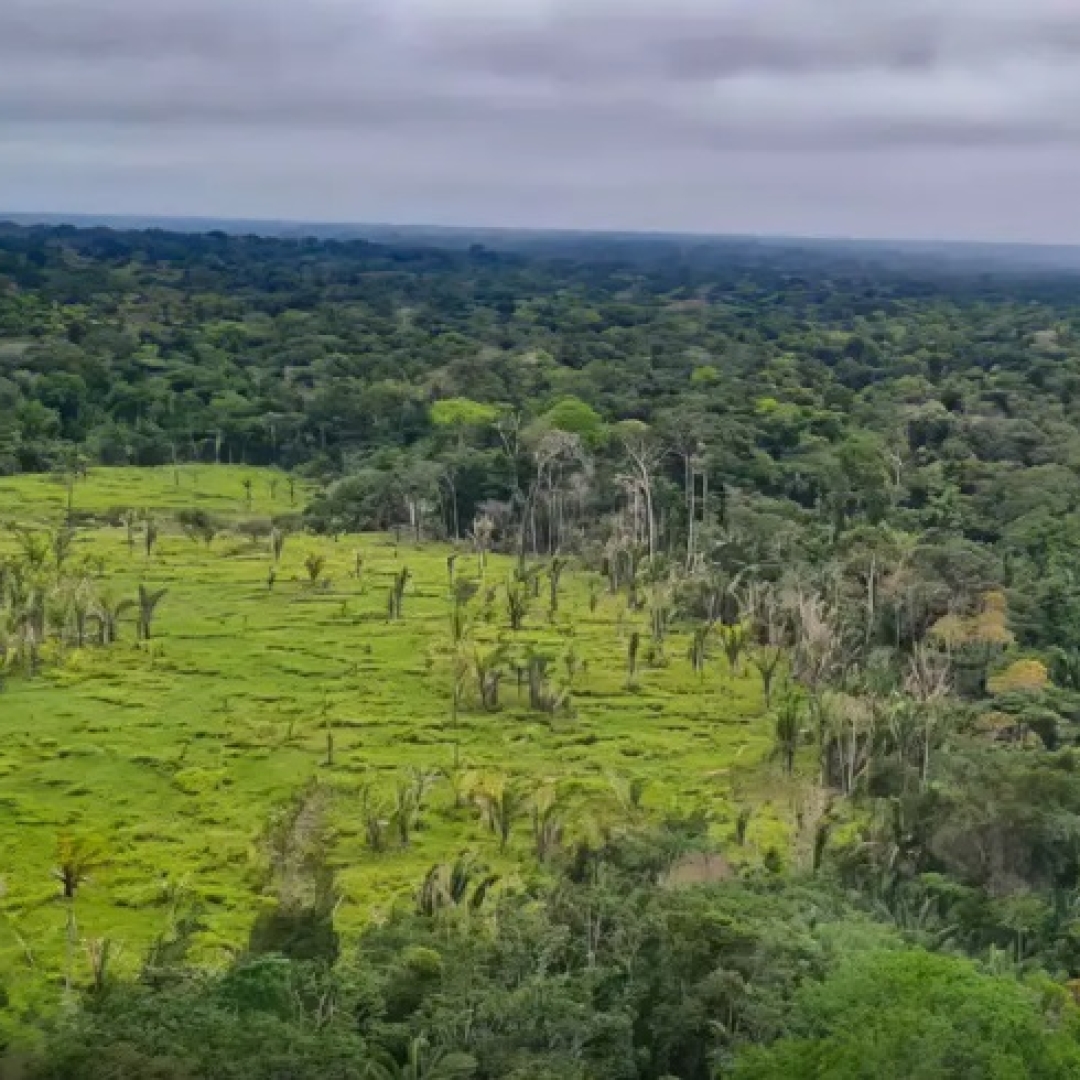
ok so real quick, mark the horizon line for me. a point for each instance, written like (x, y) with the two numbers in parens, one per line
(213, 222)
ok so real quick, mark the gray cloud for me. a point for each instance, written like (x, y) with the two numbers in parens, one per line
(814, 115)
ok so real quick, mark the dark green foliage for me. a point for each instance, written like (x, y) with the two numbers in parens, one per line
(910, 1015)
(199, 525)
(556, 993)
(300, 934)
(299, 924)
(266, 1018)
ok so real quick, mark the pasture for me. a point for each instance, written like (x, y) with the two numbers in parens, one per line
(171, 754)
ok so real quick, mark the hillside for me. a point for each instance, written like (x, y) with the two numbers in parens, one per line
(613, 658)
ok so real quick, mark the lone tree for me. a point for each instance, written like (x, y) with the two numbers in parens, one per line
(767, 661)
(150, 536)
(108, 612)
(76, 858)
(148, 602)
(130, 520)
(396, 597)
(314, 564)
(199, 525)
(633, 647)
(277, 543)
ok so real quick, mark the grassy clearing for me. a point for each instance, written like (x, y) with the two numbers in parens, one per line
(175, 754)
(217, 488)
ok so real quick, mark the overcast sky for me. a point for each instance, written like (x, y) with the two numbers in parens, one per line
(910, 118)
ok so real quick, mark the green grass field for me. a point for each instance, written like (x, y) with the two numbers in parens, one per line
(175, 754)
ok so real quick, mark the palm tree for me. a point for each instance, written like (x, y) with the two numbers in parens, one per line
(80, 604)
(22, 644)
(277, 543)
(544, 696)
(459, 671)
(150, 536)
(62, 540)
(630, 793)
(396, 597)
(373, 811)
(100, 952)
(35, 547)
(130, 520)
(423, 1062)
(108, 613)
(767, 661)
(314, 564)
(406, 811)
(148, 602)
(517, 604)
(462, 591)
(451, 886)
(659, 619)
(788, 732)
(489, 668)
(547, 822)
(555, 572)
(76, 858)
(733, 640)
(501, 802)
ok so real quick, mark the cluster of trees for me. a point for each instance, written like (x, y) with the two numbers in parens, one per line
(52, 598)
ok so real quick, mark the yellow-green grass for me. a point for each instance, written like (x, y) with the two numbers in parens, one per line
(217, 488)
(175, 754)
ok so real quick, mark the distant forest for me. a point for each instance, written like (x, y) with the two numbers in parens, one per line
(811, 390)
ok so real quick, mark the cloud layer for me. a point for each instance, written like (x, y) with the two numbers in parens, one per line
(931, 117)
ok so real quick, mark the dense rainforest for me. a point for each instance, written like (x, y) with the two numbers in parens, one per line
(855, 474)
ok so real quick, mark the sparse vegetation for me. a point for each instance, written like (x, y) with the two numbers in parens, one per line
(183, 758)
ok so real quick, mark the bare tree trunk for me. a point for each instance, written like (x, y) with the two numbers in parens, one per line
(650, 519)
(690, 499)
